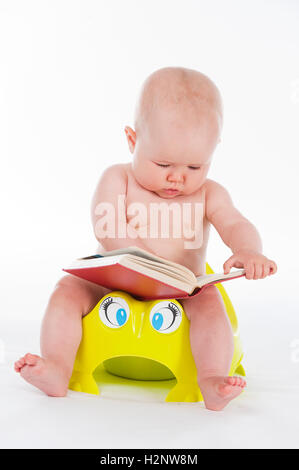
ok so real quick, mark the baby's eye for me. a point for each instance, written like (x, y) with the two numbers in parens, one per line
(162, 165)
(194, 167)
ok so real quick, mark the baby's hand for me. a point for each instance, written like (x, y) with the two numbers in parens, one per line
(256, 266)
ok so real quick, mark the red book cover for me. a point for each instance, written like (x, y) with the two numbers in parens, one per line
(118, 277)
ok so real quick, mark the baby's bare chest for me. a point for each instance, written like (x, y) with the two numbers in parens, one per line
(175, 228)
(147, 209)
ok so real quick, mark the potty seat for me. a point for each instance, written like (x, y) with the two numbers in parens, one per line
(144, 340)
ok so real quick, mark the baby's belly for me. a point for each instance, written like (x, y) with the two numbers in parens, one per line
(175, 250)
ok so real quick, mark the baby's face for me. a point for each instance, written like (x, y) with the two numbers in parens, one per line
(172, 157)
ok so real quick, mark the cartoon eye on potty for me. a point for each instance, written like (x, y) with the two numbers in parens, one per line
(165, 317)
(114, 312)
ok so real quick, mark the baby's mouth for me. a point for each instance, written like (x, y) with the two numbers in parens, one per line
(171, 192)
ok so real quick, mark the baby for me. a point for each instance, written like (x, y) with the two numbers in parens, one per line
(178, 123)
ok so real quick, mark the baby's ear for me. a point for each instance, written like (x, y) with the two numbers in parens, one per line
(131, 138)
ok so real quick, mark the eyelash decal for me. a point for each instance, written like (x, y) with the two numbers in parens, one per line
(114, 312)
(174, 310)
(106, 304)
(165, 317)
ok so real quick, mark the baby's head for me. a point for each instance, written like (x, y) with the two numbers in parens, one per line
(178, 122)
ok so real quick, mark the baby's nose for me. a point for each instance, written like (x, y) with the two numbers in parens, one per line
(175, 177)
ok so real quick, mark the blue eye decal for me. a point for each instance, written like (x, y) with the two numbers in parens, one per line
(157, 321)
(121, 316)
(166, 317)
(114, 312)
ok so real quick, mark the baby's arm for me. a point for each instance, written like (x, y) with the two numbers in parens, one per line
(238, 233)
(106, 202)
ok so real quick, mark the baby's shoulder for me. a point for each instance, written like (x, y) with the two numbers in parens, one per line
(216, 197)
(117, 169)
(213, 188)
(116, 173)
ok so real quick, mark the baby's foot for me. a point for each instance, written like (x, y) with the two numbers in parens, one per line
(218, 391)
(43, 374)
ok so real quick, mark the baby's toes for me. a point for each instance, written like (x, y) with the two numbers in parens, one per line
(19, 364)
(243, 382)
(230, 381)
(240, 382)
(27, 360)
(236, 381)
(31, 359)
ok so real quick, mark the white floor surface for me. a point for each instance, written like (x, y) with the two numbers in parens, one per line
(134, 415)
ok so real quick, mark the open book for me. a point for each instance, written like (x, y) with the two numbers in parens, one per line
(144, 275)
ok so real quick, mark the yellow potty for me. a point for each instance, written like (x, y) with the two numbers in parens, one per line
(144, 340)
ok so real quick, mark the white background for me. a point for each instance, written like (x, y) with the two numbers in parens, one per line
(70, 72)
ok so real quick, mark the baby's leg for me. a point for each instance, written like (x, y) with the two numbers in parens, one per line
(212, 346)
(61, 334)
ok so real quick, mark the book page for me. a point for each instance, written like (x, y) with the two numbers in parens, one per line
(172, 269)
(139, 252)
(93, 262)
(133, 250)
(168, 270)
(160, 276)
(207, 278)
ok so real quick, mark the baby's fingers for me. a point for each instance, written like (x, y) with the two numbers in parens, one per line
(273, 267)
(266, 270)
(228, 264)
(269, 268)
(249, 270)
(258, 271)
